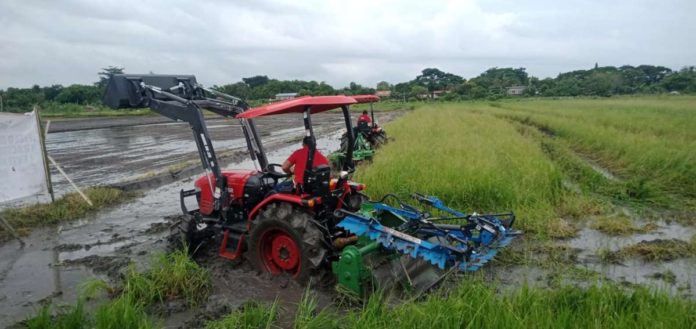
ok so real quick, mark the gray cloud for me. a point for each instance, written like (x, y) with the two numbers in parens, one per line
(65, 42)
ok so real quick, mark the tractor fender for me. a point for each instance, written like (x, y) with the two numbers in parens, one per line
(277, 197)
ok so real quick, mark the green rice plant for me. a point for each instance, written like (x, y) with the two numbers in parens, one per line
(69, 207)
(251, 316)
(170, 276)
(74, 317)
(125, 311)
(472, 161)
(308, 317)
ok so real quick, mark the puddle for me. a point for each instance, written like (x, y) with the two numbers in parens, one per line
(636, 271)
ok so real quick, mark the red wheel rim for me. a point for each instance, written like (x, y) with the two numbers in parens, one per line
(279, 252)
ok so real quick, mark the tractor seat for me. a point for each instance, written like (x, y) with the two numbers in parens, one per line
(363, 126)
(316, 180)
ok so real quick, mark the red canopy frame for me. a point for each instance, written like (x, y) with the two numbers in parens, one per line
(366, 98)
(317, 104)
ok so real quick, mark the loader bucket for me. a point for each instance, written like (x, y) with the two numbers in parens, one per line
(123, 90)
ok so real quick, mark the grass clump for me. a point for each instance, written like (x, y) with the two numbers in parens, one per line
(654, 250)
(561, 229)
(69, 207)
(126, 311)
(71, 318)
(171, 276)
(251, 316)
(620, 225)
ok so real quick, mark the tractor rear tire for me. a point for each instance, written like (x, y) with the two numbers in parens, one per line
(381, 138)
(344, 143)
(283, 240)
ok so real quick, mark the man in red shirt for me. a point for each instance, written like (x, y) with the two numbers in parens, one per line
(297, 161)
(364, 118)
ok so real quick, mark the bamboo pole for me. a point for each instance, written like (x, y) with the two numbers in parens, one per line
(42, 138)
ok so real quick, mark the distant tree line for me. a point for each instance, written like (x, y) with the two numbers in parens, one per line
(430, 84)
(599, 81)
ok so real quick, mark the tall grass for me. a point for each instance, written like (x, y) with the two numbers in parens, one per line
(472, 161)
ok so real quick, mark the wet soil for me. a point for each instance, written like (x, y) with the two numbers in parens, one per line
(57, 259)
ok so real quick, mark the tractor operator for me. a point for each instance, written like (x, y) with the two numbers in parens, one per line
(364, 118)
(295, 164)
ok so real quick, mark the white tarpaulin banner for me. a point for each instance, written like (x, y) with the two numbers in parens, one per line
(22, 167)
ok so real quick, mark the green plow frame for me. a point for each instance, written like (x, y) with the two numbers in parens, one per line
(361, 152)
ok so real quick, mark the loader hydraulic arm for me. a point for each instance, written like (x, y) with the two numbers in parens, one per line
(180, 98)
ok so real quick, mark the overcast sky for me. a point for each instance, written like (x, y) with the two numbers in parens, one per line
(66, 42)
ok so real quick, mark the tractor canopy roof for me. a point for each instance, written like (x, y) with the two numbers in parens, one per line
(366, 98)
(298, 105)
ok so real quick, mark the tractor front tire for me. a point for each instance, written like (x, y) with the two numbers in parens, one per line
(283, 240)
(186, 233)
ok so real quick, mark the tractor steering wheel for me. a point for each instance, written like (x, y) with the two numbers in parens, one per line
(276, 174)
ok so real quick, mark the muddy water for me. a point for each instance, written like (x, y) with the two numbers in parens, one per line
(636, 271)
(57, 259)
(115, 154)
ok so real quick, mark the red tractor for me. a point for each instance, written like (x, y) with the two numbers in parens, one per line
(282, 232)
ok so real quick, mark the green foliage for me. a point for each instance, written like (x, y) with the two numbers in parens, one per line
(71, 318)
(434, 79)
(478, 304)
(497, 79)
(251, 316)
(171, 276)
(105, 75)
(124, 312)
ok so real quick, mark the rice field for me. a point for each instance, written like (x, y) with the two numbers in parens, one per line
(560, 165)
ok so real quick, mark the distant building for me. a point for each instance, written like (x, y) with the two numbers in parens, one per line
(516, 90)
(282, 96)
(383, 93)
(439, 93)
